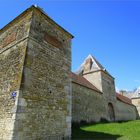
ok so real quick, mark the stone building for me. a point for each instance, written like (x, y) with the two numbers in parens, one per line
(94, 97)
(35, 86)
(39, 96)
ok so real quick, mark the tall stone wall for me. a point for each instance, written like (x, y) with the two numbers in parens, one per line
(13, 45)
(35, 63)
(45, 97)
(87, 104)
(125, 112)
(108, 87)
(90, 106)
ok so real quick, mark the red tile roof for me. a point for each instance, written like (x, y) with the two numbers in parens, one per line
(82, 81)
(123, 99)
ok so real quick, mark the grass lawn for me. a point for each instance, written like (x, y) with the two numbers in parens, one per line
(108, 131)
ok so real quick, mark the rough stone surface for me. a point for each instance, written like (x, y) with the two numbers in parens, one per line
(136, 102)
(36, 87)
(87, 104)
(35, 62)
(12, 53)
(125, 112)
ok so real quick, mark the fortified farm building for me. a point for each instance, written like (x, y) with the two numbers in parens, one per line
(39, 95)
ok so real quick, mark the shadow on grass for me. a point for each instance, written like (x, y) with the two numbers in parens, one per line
(79, 134)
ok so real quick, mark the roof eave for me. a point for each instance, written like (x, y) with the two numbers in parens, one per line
(86, 87)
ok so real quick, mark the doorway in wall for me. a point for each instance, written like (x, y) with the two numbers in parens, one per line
(111, 113)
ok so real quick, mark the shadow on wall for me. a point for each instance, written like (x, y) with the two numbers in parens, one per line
(79, 134)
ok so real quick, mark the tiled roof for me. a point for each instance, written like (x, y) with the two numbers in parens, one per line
(123, 99)
(82, 81)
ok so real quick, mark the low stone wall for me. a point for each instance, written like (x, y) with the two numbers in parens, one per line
(87, 104)
(136, 102)
(125, 112)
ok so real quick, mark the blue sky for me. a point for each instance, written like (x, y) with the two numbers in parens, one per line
(109, 30)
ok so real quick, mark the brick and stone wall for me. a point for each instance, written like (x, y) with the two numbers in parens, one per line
(87, 104)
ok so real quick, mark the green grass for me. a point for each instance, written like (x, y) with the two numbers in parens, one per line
(108, 131)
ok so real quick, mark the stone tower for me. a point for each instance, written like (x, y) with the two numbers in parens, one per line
(96, 74)
(35, 87)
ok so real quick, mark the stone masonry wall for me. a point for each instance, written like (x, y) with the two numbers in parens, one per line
(136, 102)
(35, 63)
(105, 84)
(45, 97)
(11, 62)
(108, 87)
(125, 111)
(90, 106)
(12, 52)
(15, 32)
(122, 111)
(87, 104)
